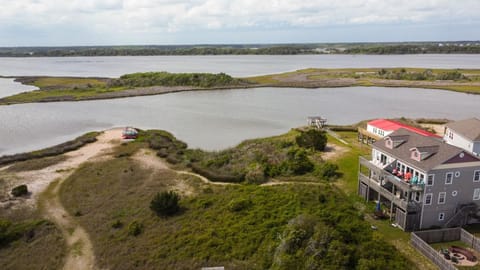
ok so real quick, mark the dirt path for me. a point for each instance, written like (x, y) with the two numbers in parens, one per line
(80, 254)
(149, 158)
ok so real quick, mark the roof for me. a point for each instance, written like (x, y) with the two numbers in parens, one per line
(469, 128)
(441, 152)
(390, 125)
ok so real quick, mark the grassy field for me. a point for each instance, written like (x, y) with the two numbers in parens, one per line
(236, 226)
(461, 80)
(76, 88)
(29, 242)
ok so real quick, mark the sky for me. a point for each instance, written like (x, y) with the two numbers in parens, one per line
(162, 22)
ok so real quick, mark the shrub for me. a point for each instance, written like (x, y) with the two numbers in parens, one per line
(165, 203)
(215, 176)
(135, 228)
(255, 174)
(239, 205)
(312, 138)
(117, 224)
(20, 190)
(298, 162)
(327, 170)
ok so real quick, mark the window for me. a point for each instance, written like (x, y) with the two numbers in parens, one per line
(450, 135)
(454, 193)
(441, 197)
(476, 176)
(476, 194)
(428, 198)
(457, 174)
(430, 179)
(448, 178)
(441, 216)
(417, 196)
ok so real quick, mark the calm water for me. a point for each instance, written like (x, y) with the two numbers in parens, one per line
(219, 119)
(243, 65)
(8, 87)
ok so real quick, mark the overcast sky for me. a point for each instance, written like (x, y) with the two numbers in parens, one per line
(116, 22)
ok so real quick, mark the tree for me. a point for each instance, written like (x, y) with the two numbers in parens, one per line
(165, 203)
(312, 138)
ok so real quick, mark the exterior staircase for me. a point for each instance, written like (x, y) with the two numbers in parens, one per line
(461, 215)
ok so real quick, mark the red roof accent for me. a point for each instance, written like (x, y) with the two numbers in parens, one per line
(389, 125)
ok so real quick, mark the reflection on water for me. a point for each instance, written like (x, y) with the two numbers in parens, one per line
(220, 119)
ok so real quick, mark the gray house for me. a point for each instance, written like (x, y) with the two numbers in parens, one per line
(423, 181)
(464, 134)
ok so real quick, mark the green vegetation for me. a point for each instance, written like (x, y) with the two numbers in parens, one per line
(312, 138)
(47, 152)
(35, 164)
(255, 161)
(73, 88)
(243, 49)
(202, 80)
(461, 80)
(28, 242)
(20, 190)
(165, 203)
(235, 226)
(154, 83)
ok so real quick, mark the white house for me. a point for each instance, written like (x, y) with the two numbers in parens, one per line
(464, 134)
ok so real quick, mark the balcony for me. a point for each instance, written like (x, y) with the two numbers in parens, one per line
(383, 173)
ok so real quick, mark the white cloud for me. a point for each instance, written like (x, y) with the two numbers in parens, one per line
(112, 17)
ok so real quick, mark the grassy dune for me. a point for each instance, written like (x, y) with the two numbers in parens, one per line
(236, 226)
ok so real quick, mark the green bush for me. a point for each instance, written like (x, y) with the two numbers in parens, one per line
(239, 205)
(312, 138)
(146, 79)
(255, 174)
(215, 176)
(298, 162)
(20, 190)
(165, 203)
(327, 170)
(135, 228)
(117, 224)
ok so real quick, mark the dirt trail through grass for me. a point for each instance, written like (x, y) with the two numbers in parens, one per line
(80, 253)
(149, 159)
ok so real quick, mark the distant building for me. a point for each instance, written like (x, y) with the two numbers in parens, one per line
(424, 181)
(379, 128)
(464, 134)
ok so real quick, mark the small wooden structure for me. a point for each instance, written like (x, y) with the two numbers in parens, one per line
(316, 121)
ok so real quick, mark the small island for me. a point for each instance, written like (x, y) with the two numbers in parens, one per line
(54, 89)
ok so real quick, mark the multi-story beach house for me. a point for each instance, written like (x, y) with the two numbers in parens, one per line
(423, 181)
(379, 128)
(464, 134)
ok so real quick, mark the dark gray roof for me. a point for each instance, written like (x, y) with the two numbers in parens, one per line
(442, 151)
(469, 128)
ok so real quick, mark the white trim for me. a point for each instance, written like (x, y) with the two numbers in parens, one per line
(474, 172)
(443, 195)
(454, 193)
(477, 193)
(433, 180)
(451, 178)
(425, 198)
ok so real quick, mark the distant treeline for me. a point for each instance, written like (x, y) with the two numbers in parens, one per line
(464, 47)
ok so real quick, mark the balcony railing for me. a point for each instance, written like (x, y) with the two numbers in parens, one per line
(382, 173)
